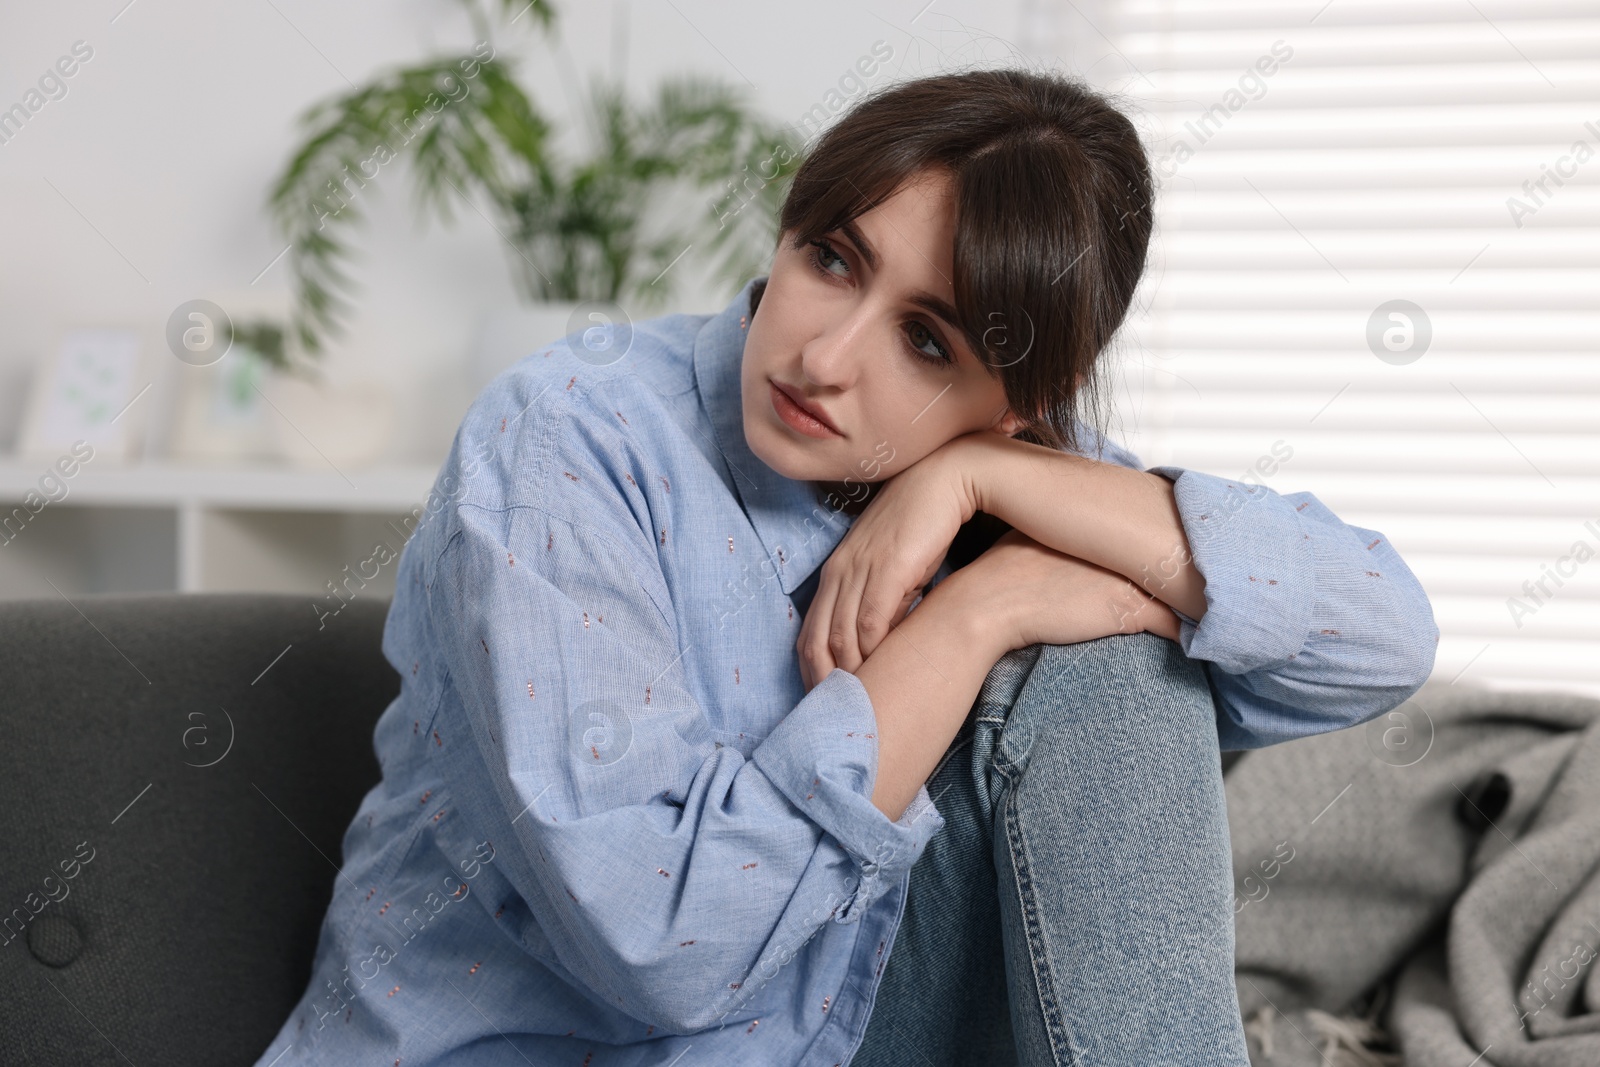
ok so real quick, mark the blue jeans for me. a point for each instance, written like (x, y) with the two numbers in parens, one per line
(1077, 908)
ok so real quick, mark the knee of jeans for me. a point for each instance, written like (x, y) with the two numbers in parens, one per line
(1136, 688)
(1142, 660)
(1128, 682)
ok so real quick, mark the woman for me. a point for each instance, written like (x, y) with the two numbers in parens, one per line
(662, 785)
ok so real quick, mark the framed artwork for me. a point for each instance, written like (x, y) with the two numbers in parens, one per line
(85, 393)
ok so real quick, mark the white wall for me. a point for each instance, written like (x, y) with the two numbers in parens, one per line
(144, 186)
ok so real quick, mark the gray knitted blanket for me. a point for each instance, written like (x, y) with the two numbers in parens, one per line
(1424, 889)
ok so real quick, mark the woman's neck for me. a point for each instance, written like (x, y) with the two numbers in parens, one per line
(854, 501)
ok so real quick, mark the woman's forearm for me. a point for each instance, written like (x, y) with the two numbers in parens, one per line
(922, 680)
(1121, 519)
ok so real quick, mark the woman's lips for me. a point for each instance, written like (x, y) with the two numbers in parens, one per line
(798, 418)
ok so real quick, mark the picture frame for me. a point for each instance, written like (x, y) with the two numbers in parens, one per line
(87, 390)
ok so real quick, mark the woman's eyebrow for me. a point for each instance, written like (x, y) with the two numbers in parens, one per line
(938, 307)
(920, 297)
(863, 246)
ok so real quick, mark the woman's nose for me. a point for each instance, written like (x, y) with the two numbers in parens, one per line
(833, 358)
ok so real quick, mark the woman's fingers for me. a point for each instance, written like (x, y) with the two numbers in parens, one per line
(1065, 599)
(1164, 621)
(878, 610)
(894, 596)
(1145, 612)
(884, 595)
(816, 659)
(843, 639)
(849, 617)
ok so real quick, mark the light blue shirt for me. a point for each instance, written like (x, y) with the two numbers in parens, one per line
(613, 827)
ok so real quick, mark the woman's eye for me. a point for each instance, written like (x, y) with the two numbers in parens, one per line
(918, 335)
(822, 254)
(919, 339)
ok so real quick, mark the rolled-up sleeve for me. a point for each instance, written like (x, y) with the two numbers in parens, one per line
(802, 758)
(668, 872)
(1311, 624)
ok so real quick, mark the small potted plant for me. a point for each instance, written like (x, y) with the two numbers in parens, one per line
(609, 227)
(221, 416)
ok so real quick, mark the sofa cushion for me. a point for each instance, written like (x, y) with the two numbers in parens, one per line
(179, 776)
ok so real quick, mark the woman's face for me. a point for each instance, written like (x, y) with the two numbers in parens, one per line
(848, 328)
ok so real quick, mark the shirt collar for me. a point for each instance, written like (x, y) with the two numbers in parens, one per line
(797, 527)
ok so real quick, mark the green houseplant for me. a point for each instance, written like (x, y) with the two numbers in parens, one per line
(577, 230)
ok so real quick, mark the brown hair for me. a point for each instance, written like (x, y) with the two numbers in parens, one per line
(1053, 200)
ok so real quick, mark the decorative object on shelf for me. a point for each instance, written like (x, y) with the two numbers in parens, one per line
(86, 392)
(221, 416)
(264, 339)
(609, 228)
(264, 399)
(318, 424)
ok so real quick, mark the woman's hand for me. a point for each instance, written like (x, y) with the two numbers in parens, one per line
(1037, 595)
(891, 551)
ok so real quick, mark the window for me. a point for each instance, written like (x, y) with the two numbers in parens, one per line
(1378, 250)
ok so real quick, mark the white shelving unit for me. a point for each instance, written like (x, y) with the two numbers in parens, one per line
(165, 527)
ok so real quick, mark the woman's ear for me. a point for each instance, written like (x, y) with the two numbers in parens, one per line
(1009, 424)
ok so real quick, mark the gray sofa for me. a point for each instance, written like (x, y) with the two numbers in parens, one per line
(179, 775)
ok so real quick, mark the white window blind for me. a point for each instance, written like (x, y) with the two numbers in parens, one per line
(1441, 152)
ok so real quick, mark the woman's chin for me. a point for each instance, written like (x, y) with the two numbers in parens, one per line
(798, 460)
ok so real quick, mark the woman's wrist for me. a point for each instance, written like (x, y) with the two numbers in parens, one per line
(922, 681)
(966, 604)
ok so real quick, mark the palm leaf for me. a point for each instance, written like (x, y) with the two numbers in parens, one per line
(580, 230)
(459, 134)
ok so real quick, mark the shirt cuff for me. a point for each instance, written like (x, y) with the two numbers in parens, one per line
(1256, 557)
(823, 756)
